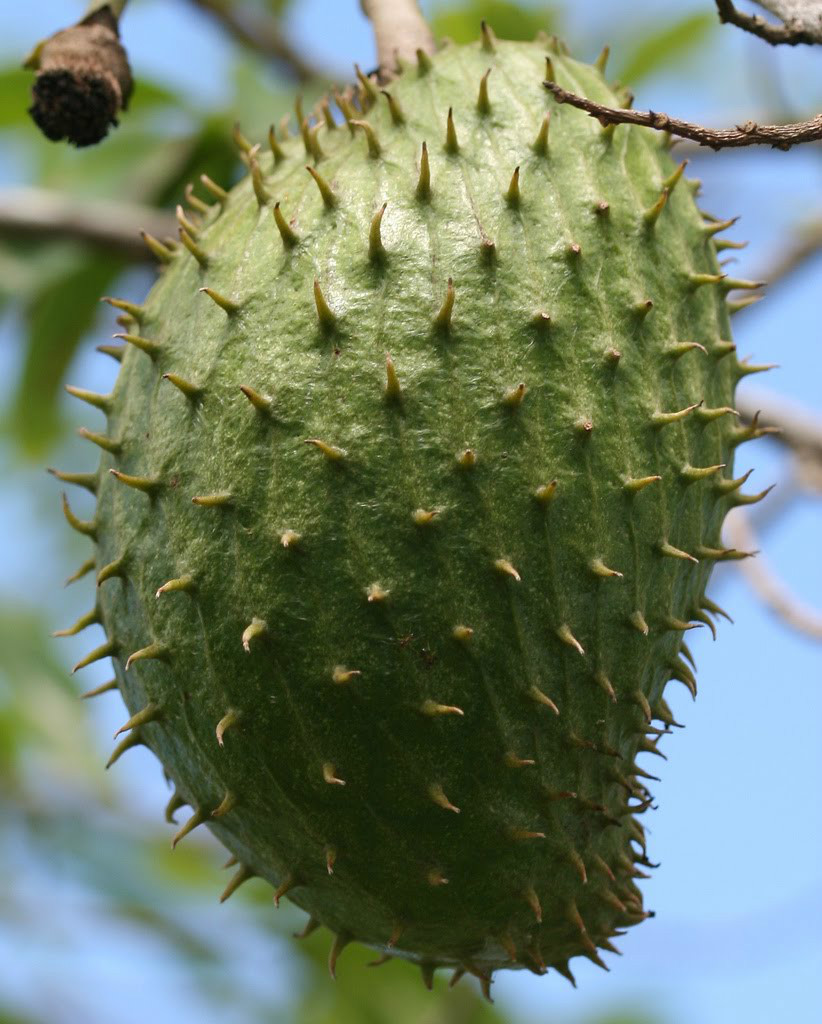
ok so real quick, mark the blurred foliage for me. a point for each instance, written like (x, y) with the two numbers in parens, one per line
(62, 815)
(57, 312)
(38, 708)
(663, 45)
(460, 22)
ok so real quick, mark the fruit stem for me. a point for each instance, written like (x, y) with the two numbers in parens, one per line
(117, 7)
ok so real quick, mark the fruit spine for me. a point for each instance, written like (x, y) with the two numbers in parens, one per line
(412, 483)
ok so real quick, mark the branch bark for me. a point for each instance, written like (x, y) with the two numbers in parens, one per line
(779, 136)
(42, 214)
(801, 21)
(400, 30)
(262, 34)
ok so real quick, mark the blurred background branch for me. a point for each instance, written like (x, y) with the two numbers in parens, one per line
(48, 214)
(803, 246)
(740, 534)
(798, 428)
(262, 32)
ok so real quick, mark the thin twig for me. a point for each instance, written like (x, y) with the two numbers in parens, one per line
(739, 534)
(400, 30)
(263, 34)
(780, 136)
(42, 214)
(788, 34)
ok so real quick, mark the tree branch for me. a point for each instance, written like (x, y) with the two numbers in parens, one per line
(262, 34)
(42, 214)
(801, 21)
(400, 30)
(779, 136)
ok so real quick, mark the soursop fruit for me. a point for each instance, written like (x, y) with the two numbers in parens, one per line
(412, 482)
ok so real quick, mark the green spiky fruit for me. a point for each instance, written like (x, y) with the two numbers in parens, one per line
(413, 479)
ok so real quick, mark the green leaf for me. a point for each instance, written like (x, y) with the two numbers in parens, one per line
(394, 994)
(57, 316)
(259, 99)
(508, 20)
(15, 96)
(18, 271)
(41, 720)
(8, 1016)
(664, 45)
(133, 164)
(60, 284)
(150, 95)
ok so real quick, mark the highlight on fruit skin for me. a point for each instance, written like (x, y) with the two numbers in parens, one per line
(395, 573)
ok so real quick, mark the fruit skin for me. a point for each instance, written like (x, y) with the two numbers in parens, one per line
(427, 493)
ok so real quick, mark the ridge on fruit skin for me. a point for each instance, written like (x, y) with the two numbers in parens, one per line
(412, 482)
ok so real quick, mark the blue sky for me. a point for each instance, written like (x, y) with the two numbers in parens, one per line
(738, 832)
